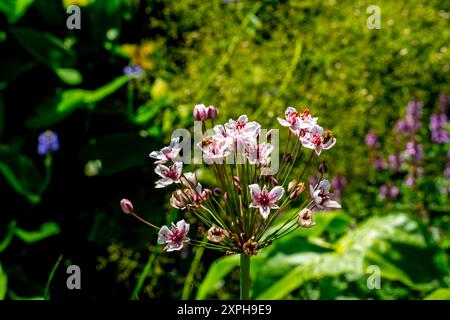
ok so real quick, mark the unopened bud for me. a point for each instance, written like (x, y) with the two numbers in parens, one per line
(201, 230)
(236, 181)
(287, 157)
(126, 205)
(225, 196)
(216, 234)
(206, 193)
(200, 112)
(273, 182)
(304, 218)
(217, 191)
(269, 134)
(212, 112)
(323, 168)
(294, 194)
(292, 185)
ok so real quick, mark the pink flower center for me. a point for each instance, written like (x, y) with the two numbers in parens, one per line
(264, 199)
(172, 173)
(177, 236)
(317, 140)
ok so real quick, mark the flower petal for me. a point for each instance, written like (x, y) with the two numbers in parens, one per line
(276, 193)
(183, 227)
(255, 190)
(331, 204)
(264, 212)
(163, 234)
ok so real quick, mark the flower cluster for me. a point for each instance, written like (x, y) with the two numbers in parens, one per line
(241, 210)
(409, 159)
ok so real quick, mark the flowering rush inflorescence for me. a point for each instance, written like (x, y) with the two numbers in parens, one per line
(249, 206)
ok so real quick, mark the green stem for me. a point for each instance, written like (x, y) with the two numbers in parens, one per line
(189, 281)
(245, 276)
(137, 289)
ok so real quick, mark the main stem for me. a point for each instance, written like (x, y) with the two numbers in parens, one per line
(245, 276)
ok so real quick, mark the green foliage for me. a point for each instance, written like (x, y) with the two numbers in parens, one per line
(3, 283)
(439, 294)
(14, 9)
(395, 243)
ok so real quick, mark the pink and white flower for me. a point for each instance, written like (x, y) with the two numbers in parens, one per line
(215, 149)
(175, 237)
(259, 154)
(265, 200)
(322, 197)
(167, 153)
(317, 139)
(297, 123)
(169, 175)
(242, 132)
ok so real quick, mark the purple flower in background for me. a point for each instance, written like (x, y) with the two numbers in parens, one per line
(371, 140)
(379, 164)
(439, 133)
(48, 142)
(395, 161)
(414, 109)
(411, 123)
(410, 180)
(447, 171)
(133, 71)
(415, 151)
(338, 183)
(393, 192)
(384, 189)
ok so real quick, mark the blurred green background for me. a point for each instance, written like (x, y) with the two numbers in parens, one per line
(246, 57)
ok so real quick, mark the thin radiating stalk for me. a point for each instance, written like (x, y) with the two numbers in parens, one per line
(245, 277)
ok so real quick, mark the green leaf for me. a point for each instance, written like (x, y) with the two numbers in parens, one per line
(396, 243)
(3, 283)
(48, 229)
(14, 9)
(69, 76)
(17, 185)
(218, 270)
(106, 90)
(439, 294)
(44, 46)
(150, 110)
(312, 266)
(9, 236)
(63, 104)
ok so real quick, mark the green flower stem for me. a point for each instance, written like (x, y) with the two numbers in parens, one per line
(145, 273)
(245, 276)
(189, 282)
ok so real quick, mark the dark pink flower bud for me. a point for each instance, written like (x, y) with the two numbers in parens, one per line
(236, 182)
(206, 193)
(217, 191)
(126, 205)
(323, 168)
(212, 112)
(200, 112)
